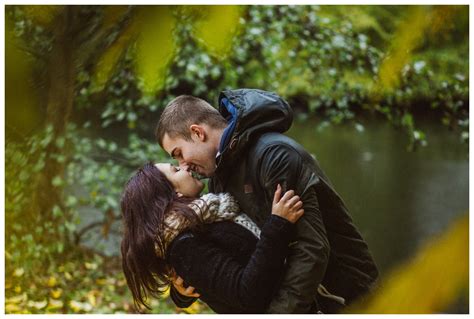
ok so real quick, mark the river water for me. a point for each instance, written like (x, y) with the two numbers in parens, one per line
(398, 199)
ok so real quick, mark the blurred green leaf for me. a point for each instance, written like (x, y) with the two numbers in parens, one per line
(155, 47)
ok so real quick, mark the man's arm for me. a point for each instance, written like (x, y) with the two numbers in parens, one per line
(309, 252)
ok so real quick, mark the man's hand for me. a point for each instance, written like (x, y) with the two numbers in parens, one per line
(188, 292)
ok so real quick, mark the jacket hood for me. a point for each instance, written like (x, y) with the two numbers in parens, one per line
(255, 112)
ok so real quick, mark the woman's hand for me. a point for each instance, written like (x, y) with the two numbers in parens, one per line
(289, 206)
(178, 283)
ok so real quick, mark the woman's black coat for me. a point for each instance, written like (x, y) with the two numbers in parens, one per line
(230, 268)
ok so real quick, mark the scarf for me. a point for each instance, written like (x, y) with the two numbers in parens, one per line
(209, 208)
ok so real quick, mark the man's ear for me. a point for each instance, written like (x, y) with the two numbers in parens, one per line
(198, 132)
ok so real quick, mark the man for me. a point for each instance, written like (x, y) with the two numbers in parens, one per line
(243, 151)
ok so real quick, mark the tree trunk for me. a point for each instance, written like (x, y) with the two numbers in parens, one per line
(61, 81)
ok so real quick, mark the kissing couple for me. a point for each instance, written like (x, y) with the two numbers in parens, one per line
(271, 236)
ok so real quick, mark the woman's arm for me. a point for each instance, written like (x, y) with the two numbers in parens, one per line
(212, 271)
(180, 300)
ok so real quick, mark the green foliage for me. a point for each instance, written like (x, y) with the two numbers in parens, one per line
(28, 238)
(321, 62)
(94, 176)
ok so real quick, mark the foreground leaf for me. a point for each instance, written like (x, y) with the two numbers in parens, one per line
(155, 47)
(216, 27)
(431, 282)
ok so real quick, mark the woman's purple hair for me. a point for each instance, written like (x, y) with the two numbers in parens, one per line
(147, 198)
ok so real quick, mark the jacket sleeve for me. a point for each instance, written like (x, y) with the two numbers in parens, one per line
(309, 253)
(212, 271)
(180, 300)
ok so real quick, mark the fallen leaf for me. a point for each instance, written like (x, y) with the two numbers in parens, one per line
(52, 281)
(37, 304)
(56, 293)
(54, 304)
(67, 275)
(12, 308)
(90, 266)
(101, 281)
(91, 297)
(17, 299)
(80, 306)
(18, 272)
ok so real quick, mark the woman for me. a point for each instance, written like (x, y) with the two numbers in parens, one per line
(168, 230)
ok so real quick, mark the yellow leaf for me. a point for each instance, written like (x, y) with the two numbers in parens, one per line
(421, 22)
(193, 309)
(52, 281)
(54, 304)
(56, 293)
(18, 272)
(431, 282)
(155, 47)
(166, 293)
(17, 299)
(12, 308)
(216, 28)
(105, 67)
(101, 281)
(77, 306)
(91, 297)
(67, 275)
(21, 95)
(17, 289)
(90, 266)
(408, 37)
(37, 304)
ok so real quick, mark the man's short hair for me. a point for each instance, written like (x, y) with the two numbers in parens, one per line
(184, 111)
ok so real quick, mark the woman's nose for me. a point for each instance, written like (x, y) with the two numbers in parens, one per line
(183, 165)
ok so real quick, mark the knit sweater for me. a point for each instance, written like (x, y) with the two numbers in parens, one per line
(232, 270)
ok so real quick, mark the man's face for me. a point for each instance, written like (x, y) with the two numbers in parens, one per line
(198, 155)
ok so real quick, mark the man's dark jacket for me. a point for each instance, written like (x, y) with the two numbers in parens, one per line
(328, 249)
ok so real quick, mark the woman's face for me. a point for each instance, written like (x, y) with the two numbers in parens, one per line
(182, 181)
